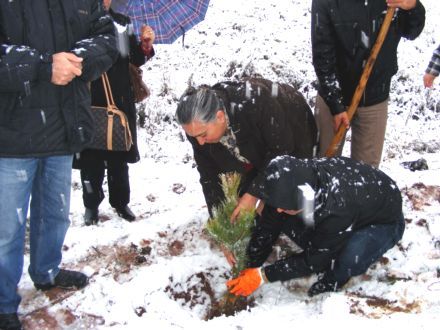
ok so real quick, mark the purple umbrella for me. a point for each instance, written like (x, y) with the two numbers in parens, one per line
(169, 18)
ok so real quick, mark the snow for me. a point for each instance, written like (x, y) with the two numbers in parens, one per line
(271, 38)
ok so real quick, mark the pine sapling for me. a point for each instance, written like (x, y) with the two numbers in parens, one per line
(232, 236)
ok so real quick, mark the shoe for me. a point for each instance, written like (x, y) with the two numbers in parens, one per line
(126, 213)
(324, 285)
(91, 217)
(10, 322)
(66, 279)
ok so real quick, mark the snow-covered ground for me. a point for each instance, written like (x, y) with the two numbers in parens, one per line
(161, 272)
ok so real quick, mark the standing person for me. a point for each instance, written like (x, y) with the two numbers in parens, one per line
(343, 34)
(356, 216)
(433, 69)
(45, 67)
(241, 126)
(93, 163)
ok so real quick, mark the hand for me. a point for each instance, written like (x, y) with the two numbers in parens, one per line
(341, 119)
(147, 38)
(147, 33)
(230, 258)
(428, 80)
(247, 282)
(246, 202)
(65, 67)
(403, 4)
(260, 207)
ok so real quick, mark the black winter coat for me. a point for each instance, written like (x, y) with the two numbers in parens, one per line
(265, 127)
(122, 91)
(348, 196)
(343, 33)
(38, 118)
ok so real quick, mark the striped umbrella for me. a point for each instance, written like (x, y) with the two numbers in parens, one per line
(169, 18)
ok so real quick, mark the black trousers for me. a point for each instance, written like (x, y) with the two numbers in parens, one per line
(92, 178)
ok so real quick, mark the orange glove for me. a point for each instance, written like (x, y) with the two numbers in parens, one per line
(249, 280)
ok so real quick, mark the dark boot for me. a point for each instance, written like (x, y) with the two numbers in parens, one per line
(10, 322)
(90, 217)
(126, 213)
(325, 284)
(66, 279)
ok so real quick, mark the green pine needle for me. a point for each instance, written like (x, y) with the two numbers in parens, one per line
(234, 236)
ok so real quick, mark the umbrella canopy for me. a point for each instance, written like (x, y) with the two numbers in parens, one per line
(169, 18)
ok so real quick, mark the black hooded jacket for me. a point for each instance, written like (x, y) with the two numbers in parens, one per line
(37, 117)
(343, 34)
(268, 120)
(348, 196)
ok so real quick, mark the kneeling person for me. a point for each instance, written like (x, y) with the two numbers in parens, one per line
(356, 217)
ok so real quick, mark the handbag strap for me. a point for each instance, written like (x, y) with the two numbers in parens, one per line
(113, 110)
(107, 89)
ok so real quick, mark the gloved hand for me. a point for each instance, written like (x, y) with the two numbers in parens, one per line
(247, 282)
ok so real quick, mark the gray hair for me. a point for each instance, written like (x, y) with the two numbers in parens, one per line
(199, 104)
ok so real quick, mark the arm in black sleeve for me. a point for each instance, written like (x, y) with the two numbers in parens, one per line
(266, 231)
(310, 261)
(288, 268)
(324, 56)
(137, 56)
(209, 175)
(21, 65)
(321, 245)
(99, 50)
(412, 22)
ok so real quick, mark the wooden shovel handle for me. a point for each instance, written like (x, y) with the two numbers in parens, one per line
(332, 149)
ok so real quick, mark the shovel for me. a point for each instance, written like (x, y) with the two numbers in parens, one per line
(334, 145)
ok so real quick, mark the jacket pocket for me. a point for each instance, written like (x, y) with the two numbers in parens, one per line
(349, 36)
(8, 103)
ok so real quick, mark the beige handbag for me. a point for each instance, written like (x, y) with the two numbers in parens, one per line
(112, 131)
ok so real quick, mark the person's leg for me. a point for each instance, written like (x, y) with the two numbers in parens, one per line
(119, 188)
(92, 177)
(365, 247)
(368, 133)
(49, 216)
(118, 183)
(324, 121)
(16, 176)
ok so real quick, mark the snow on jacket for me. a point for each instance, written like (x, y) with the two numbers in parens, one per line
(343, 34)
(38, 118)
(268, 120)
(348, 196)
